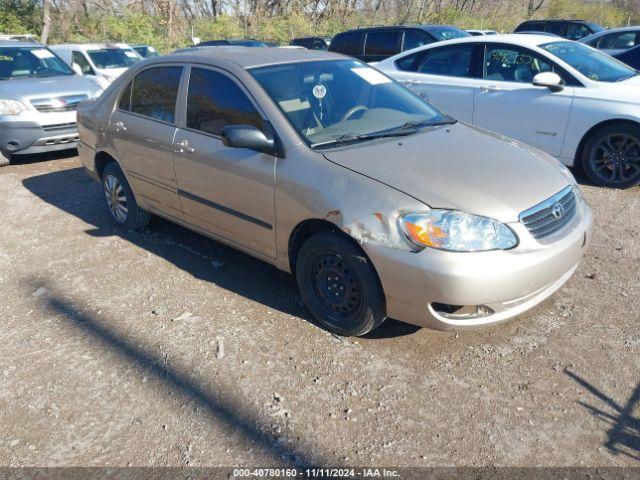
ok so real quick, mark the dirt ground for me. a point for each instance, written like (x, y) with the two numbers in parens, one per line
(166, 348)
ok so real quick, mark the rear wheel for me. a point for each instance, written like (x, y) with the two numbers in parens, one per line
(339, 285)
(5, 159)
(120, 201)
(611, 156)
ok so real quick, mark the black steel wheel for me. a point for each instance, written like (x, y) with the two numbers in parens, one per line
(339, 285)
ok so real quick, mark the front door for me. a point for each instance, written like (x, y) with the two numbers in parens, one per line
(142, 128)
(507, 102)
(226, 191)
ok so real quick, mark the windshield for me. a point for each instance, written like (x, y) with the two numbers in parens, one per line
(331, 102)
(146, 52)
(114, 57)
(444, 33)
(30, 62)
(591, 63)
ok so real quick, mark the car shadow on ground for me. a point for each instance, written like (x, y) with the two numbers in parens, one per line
(42, 157)
(623, 436)
(218, 405)
(72, 191)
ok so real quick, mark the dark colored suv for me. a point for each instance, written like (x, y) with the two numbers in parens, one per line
(312, 43)
(374, 44)
(569, 29)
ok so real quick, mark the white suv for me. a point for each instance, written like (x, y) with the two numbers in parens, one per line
(103, 60)
(563, 97)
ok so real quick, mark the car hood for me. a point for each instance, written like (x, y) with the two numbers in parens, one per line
(48, 87)
(459, 167)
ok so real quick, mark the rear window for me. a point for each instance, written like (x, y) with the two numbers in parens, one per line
(349, 43)
(154, 93)
(384, 43)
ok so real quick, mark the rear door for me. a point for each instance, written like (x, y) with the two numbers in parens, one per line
(507, 102)
(142, 128)
(444, 76)
(226, 191)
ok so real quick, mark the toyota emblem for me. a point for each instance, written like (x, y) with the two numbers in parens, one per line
(557, 211)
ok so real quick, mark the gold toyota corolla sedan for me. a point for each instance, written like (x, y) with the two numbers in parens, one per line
(380, 204)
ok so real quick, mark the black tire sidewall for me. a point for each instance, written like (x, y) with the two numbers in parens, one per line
(372, 310)
(632, 130)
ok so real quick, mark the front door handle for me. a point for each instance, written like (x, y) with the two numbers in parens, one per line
(492, 88)
(120, 127)
(183, 147)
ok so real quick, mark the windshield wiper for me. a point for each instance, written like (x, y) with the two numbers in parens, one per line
(353, 137)
(426, 123)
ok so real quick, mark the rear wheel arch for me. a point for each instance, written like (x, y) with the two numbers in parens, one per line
(102, 159)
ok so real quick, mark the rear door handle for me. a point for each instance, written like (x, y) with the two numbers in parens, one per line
(120, 127)
(183, 147)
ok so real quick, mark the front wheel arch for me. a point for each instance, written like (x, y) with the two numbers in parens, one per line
(592, 131)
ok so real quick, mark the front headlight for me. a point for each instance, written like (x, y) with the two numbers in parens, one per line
(567, 174)
(456, 231)
(11, 107)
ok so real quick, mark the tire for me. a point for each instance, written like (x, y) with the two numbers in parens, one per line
(611, 157)
(5, 159)
(119, 199)
(339, 285)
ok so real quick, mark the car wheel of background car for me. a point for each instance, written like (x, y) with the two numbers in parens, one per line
(339, 285)
(611, 156)
(120, 201)
(5, 159)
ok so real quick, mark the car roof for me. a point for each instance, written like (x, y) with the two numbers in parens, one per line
(19, 43)
(424, 26)
(521, 39)
(248, 57)
(611, 30)
(92, 45)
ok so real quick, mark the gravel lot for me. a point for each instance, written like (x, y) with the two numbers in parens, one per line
(166, 348)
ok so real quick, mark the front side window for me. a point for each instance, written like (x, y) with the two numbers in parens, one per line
(336, 101)
(154, 92)
(531, 27)
(416, 38)
(82, 62)
(591, 63)
(384, 43)
(512, 64)
(114, 57)
(215, 101)
(30, 62)
(452, 61)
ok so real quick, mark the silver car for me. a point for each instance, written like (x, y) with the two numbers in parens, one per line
(39, 95)
(380, 204)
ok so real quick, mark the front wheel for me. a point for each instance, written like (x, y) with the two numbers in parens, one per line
(611, 156)
(120, 201)
(339, 285)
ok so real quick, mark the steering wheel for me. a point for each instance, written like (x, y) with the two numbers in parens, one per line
(352, 111)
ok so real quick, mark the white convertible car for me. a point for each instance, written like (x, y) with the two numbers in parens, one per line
(563, 97)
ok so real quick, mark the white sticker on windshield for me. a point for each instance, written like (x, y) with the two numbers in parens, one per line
(319, 91)
(151, 49)
(131, 54)
(371, 75)
(42, 53)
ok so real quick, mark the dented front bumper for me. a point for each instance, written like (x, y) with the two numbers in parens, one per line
(503, 283)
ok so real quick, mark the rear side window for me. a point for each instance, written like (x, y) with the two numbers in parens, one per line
(215, 101)
(154, 92)
(125, 99)
(452, 61)
(619, 40)
(416, 38)
(349, 43)
(558, 28)
(383, 42)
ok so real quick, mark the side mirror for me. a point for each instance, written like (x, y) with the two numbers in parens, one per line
(77, 68)
(248, 136)
(550, 80)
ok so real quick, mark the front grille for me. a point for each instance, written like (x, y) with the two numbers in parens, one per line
(59, 127)
(66, 103)
(550, 216)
